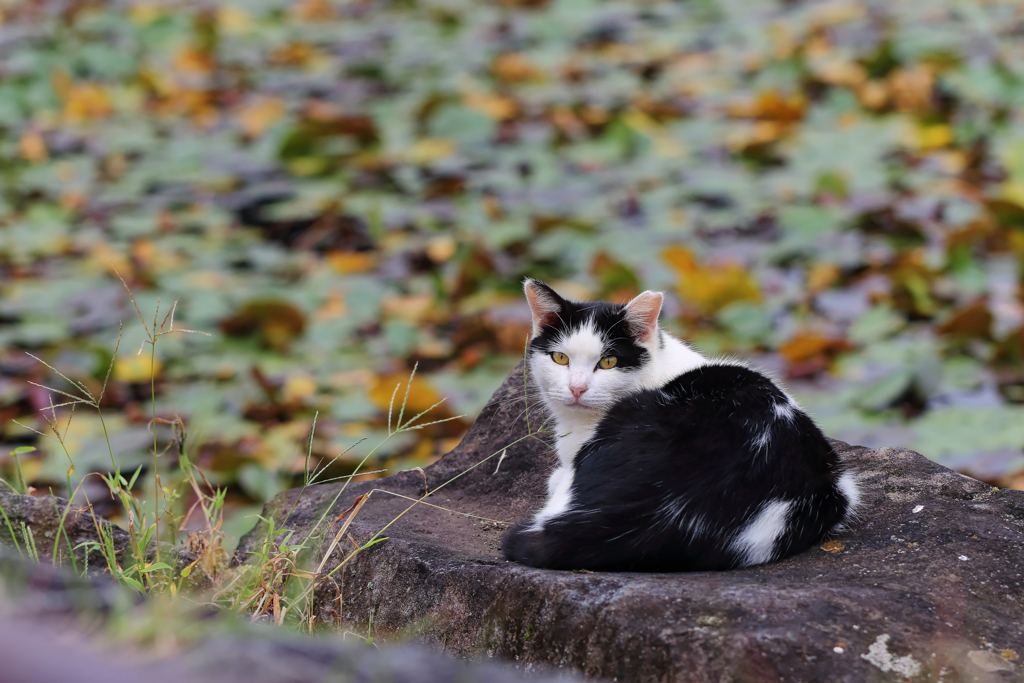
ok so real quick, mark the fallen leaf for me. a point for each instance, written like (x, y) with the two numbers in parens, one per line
(32, 146)
(297, 387)
(426, 150)
(807, 345)
(259, 115)
(709, 288)
(351, 261)
(833, 546)
(421, 396)
(515, 67)
(136, 369)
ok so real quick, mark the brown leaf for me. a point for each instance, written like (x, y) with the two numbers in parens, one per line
(514, 67)
(805, 346)
(973, 321)
(276, 323)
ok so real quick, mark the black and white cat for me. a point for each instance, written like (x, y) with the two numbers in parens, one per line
(667, 460)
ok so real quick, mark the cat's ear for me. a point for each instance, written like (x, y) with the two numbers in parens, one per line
(642, 315)
(545, 304)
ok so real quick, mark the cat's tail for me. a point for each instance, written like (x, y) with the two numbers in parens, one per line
(849, 488)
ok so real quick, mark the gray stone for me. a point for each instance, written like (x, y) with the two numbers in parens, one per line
(45, 526)
(927, 585)
(57, 626)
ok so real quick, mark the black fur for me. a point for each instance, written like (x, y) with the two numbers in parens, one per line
(606, 317)
(692, 442)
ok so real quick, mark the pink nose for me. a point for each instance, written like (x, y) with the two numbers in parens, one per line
(577, 391)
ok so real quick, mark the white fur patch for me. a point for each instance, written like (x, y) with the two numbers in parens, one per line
(785, 411)
(670, 357)
(847, 485)
(762, 441)
(755, 543)
(559, 496)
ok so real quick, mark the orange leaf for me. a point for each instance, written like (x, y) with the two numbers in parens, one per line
(32, 146)
(350, 261)
(709, 288)
(257, 116)
(189, 60)
(807, 345)
(496, 107)
(421, 396)
(86, 101)
(513, 67)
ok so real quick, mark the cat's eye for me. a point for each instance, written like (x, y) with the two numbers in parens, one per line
(560, 358)
(607, 363)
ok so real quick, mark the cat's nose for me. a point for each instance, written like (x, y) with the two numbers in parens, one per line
(577, 391)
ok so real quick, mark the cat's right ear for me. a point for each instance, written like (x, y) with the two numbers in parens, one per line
(545, 304)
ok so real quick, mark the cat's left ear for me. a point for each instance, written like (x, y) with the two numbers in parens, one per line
(545, 304)
(642, 315)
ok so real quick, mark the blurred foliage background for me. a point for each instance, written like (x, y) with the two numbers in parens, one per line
(337, 190)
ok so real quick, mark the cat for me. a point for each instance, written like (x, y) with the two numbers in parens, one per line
(667, 460)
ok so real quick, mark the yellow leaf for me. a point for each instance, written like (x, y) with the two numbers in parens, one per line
(136, 369)
(911, 89)
(805, 345)
(298, 387)
(514, 67)
(333, 308)
(256, 117)
(33, 147)
(350, 261)
(421, 395)
(189, 60)
(841, 72)
(492, 105)
(314, 10)
(413, 308)
(426, 150)
(933, 137)
(837, 12)
(86, 101)
(821, 276)
(833, 546)
(143, 13)
(440, 249)
(665, 146)
(873, 94)
(233, 19)
(1012, 191)
(709, 288)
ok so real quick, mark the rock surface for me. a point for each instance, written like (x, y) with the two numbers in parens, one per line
(927, 585)
(31, 525)
(41, 515)
(56, 626)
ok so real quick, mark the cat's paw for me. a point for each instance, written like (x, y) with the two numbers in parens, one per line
(524, 544)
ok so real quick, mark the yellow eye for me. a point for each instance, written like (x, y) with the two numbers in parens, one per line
(560, 358)
(608, 362)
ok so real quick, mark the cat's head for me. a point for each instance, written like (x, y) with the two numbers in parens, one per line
(585, 356)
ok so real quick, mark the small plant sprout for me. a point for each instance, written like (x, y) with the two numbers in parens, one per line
(152, 335)
(20, 450)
